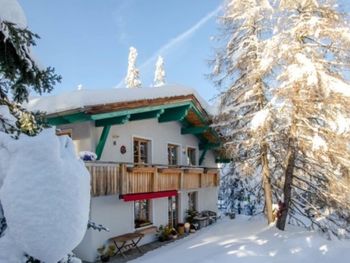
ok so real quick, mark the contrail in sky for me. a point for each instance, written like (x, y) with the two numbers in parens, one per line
(174, 41)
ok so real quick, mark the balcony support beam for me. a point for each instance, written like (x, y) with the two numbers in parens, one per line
(102, 141)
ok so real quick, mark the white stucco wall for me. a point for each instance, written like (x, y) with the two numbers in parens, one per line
(86, 136)
(118, 216)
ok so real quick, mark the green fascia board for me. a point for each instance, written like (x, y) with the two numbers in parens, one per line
(57, 121)
(112, 121)
(102, 141)
(201, 159)
(174, 114)
(146, 115)
(70, 118)
(108, 115)
(194, 130)
(208, 146)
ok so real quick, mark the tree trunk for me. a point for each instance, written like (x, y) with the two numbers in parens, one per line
(267, 184)
(287, 189)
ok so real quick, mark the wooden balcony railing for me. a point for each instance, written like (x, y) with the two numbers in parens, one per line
(122, 178)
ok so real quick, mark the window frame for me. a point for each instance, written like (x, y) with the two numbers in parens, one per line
(149, 216)
(195, 155)
(148, 149)
(194, 195)
(177, 148)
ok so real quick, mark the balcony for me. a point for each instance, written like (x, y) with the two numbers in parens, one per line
(109, 178)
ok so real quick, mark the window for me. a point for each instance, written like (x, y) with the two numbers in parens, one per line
(192, 201)
(172, 154)
(142, 211)
(141, 150)
(172, 211)
(191, 156)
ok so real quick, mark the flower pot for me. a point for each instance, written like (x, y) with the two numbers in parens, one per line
(181, 229)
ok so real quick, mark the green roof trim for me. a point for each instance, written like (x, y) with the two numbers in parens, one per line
(112, 121)
(174, 114)
(194, 130)
(106, 115)
(71, 118)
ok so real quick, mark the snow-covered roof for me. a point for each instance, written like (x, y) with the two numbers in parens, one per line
(79, 99)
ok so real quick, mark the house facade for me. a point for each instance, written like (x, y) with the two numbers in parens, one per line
(155, 156)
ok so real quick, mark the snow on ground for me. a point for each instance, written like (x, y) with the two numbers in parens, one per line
(84, 97)
(247, 240)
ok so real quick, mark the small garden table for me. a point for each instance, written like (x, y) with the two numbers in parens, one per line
(127, 241)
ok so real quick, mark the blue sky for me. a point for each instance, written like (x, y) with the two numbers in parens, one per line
(88, 41)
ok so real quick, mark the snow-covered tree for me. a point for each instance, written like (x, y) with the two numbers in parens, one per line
(25, 233)
(242, 194)
(132, 79)
(312, 44)
(159, 74)
(243, 98)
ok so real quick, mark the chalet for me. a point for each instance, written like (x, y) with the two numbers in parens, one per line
(155, 156)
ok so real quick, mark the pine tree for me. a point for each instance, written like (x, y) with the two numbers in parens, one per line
(159, 74)
(238, 67)
(132, 79)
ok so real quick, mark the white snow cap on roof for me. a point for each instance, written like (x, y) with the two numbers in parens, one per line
(82, 98)
(11, 11)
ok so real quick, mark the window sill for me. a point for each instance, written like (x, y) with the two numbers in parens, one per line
(147, 230)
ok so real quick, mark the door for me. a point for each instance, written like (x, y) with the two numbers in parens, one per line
(173, 211)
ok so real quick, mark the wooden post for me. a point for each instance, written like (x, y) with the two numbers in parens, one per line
(155, 180)
(182, 179)
(201, 180)
(123, 180)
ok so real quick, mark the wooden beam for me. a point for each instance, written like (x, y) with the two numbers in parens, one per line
(112, 121)
(119, 113)
(201, 159)
(194, 130)
(209, 146)
(71, 118)
(102, 141)
(146, 115)
(174, 114)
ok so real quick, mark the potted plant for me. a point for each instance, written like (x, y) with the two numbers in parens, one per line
(102, 255)
(105, 253)
(181, 229)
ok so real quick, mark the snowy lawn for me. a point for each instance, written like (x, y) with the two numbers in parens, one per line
(250, 240)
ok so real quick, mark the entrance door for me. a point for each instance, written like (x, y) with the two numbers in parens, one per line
(173, 210)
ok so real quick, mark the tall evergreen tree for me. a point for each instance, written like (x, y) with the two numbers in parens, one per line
(159, 74)
(132, 79)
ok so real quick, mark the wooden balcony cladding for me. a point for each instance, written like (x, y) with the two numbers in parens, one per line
(105, 179)
(115, 178)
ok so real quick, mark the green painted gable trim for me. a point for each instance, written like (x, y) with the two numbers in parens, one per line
(194, 130)
(71, 118)
(112, 121)
(138, 110)
(174, 114)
